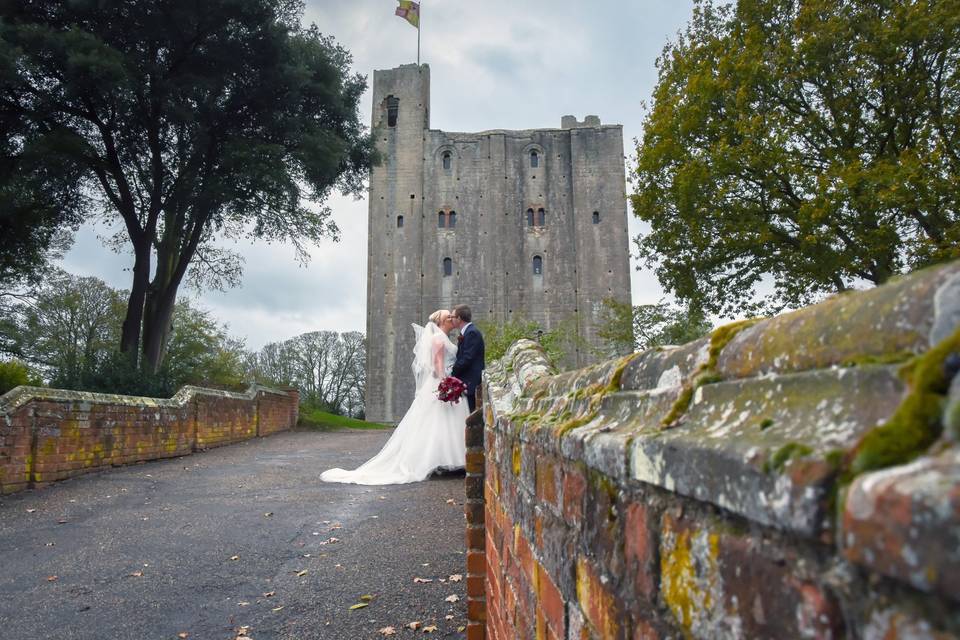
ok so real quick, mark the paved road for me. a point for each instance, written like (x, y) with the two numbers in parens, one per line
(194, 545)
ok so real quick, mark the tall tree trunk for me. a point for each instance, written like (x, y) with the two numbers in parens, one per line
(133, 321)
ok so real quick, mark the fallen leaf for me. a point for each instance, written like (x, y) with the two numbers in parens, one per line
(275, 609)
(461, 629)
(430, 629)
(360, 605)
(366, 598)
(52, 578)
(425, 564)
(452, 598)
(268, 514)
(455, 577)
(302, 573)
(451, 501)
(387, 631)
(424, 580)
(242, 632)
(50, 544)
(243, 604)
(448, 617)
(269, 594)
(31, 510)
(62, 521)
(183, 635)
(383, 497)
(234, 557)
(137, 574)
(414, 625)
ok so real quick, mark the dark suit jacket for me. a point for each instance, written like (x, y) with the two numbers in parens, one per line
(469, 363)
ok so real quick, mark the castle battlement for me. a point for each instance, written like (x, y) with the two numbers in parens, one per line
(528, 223)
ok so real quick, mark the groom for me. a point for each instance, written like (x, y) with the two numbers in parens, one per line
(469, 364)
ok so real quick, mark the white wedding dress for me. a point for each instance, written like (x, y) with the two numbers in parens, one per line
(430, 435)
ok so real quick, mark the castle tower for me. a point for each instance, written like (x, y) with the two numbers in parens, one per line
(527, 224)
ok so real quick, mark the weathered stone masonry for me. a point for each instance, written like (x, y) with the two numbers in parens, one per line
(51, 434)
(470, 199)
(796, 477)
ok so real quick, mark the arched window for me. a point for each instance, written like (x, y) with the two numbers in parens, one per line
(447, 267)
(537, 266)
(442, 219)
(596, 217)
(534, 159)
(393, 108)
(399, 222)
(530, 220)
(447, 160)
(452, 220)
(541, 217)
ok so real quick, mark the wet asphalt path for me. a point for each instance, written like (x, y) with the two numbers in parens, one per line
(194, 545)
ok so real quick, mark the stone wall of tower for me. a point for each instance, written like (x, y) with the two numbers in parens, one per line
(393, 263)
(489, 184)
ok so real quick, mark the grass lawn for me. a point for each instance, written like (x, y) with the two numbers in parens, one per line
(316, 420)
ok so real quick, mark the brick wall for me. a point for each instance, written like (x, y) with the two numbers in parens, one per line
(797, 477)
(52, 434)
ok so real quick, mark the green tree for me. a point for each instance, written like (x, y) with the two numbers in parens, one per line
(814, 145)
(636, 328)
(328, 368)
(14, 373)
(560, 342)
(66, 327)
(187, 122)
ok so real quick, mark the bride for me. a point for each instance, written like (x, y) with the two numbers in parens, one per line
(430, 435)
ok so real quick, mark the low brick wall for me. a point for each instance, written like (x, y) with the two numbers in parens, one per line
(797, 477)
(51, 434)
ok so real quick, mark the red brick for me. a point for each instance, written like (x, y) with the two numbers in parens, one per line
(551, 603)
(476, 562)
(476, 586)
(476, 631)
(476, 609)
(640, 548)
(475, 462)
(574, 485)
(642, 630)
(475, 537)
(546, 478)
(597, 603)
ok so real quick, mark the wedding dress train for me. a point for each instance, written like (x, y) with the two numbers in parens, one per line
(430, 435)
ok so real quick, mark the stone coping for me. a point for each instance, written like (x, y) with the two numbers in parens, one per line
(19, 396)
(760, 419)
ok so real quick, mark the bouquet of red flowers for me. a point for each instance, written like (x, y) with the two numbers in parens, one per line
(451, 389)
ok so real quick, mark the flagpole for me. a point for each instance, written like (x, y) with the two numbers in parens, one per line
(419, 22)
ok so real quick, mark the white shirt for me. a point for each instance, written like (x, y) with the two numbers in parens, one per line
(463, 329)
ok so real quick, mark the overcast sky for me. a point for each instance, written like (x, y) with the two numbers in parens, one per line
(497, 64)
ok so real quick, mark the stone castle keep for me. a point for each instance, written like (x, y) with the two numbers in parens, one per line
(527, 224)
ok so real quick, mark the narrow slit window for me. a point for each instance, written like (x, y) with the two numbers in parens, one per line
(452, 222)
(541, 217)
(596, 217)
(441, 220)
(447, 161)
(534, 159)
(399, 222)
(537, 266)
(530, 220)
(447, 267)
(393, 108)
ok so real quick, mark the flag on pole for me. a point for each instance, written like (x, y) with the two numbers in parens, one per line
(409, 11)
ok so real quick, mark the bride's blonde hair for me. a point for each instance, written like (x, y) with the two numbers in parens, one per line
(437, 316)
